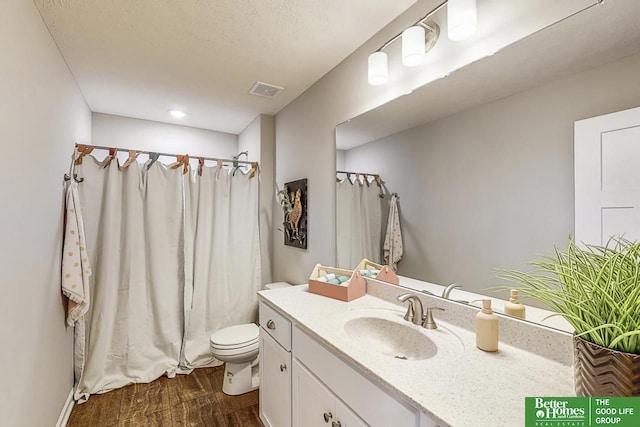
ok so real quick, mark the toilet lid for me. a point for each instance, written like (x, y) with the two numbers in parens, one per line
(235, 336)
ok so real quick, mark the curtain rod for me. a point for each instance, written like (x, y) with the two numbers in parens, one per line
(359, 173)
(101, 147)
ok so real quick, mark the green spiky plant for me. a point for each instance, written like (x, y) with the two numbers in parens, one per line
(595, 288)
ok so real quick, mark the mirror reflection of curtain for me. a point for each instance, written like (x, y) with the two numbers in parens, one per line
(173, 257)
(358, 223)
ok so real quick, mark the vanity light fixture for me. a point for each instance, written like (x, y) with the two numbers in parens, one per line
(177, 114)
(419, 38)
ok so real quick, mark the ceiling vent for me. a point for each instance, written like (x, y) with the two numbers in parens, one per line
(265, 89)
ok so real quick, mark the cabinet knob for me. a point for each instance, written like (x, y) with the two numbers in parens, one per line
(271, 324)
(283, 368)
(327, 416)
(336, 424)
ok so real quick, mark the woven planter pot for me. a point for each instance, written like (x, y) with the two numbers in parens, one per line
(600, 371)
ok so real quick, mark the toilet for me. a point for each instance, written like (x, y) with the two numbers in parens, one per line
(237, 346)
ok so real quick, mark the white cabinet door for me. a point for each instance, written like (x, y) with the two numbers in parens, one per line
(314, 405)
(275, 383)
(607, 177)
(346, 417)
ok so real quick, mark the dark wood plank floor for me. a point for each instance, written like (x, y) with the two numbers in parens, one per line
(186, 400)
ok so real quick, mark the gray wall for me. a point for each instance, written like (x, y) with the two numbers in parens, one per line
(42, 114)
(493, 186)
(259, 139)
(126, 132)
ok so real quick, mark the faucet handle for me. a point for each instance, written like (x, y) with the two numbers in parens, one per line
(427, 321)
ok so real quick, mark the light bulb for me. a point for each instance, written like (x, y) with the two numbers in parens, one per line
(413, 47)
(461, 19)
(378, 69)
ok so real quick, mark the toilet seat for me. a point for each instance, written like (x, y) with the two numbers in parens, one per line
(237, 351)
(236, 339)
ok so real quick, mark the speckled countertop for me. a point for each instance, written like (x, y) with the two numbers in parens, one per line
(534, 314)
(461, 387)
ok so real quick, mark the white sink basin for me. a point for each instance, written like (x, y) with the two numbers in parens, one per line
(388, 334)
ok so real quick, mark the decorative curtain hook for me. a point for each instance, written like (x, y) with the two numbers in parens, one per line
(200, 165)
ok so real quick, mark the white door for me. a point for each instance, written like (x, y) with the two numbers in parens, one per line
(607, 177)
(275, 383)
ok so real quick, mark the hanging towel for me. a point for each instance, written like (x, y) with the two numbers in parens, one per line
(75, 261)
(393, 238)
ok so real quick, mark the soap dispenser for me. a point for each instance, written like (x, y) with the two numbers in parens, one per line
(513, 307)
(487, 328)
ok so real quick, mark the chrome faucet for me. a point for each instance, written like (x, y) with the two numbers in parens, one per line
(416, 315)
(448, 289)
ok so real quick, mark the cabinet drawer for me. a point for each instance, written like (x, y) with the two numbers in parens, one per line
(278, 326)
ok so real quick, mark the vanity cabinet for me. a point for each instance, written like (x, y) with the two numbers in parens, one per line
(275, 368)
(303, 383)
(314, 405)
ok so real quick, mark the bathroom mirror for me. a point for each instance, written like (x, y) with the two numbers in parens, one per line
(482, 160)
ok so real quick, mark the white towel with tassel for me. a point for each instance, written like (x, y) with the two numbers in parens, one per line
(75, 261)
(393, 238)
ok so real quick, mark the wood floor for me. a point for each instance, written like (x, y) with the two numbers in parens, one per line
(186, 400)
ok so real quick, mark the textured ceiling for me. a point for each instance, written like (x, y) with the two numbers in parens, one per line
(140, 58)
(601, 34)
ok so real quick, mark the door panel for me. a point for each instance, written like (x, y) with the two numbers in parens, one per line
(346, 417)
(275, 383)
(311, 399)
(607, 177)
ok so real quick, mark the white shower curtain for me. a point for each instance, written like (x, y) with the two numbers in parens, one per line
(222, 258)
(358, 222)
(141, 232)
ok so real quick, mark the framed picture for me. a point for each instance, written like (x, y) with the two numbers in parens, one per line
(295, 213)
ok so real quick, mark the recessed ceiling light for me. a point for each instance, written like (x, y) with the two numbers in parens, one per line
(177, 113)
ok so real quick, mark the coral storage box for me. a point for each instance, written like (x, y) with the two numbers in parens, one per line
(386, 273)
(353, 288)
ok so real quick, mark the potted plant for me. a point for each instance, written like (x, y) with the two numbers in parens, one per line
(597, 290)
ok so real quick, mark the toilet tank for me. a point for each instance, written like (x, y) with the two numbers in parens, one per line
(277, 285)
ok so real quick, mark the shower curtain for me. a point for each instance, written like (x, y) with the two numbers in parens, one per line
(358, 222)
(222, 252)
(164, 273)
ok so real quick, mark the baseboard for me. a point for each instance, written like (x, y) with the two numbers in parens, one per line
(66, 410)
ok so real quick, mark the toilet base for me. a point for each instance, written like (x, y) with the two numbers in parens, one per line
(240, 378)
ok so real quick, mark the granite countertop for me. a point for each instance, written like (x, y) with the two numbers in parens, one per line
(468, 387)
